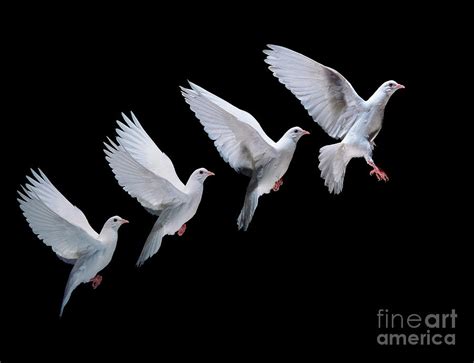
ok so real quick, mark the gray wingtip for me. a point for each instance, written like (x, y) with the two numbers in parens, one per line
(127, 119)
(189, 92)
(194, 86)
(43, 175)
(136, 122)
(273, 47)
(35, 174)
(110, 147)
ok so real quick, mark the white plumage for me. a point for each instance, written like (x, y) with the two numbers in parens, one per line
(148, 175)
(66, 230)
(242, 143)
(333, 103)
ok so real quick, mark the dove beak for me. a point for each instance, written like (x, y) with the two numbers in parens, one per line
(306, 132)
(124, 221)
(209, 173)
(399, 86)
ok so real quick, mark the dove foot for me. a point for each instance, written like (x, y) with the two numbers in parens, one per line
(96, 281)
(277, 185)
(182, 230)
(379, 173)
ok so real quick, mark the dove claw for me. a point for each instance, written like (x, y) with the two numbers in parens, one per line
(182, 230)
(379, 173)
(277, 185)
(96, 281)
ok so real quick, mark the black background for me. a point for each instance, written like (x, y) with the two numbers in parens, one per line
(308, 277)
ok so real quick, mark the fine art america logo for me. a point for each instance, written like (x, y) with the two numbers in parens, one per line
(416, 329)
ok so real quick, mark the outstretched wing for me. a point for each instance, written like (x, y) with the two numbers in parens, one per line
(142, 169)
(237, 135)
(55, 220)
(328, 97)
(141, 147)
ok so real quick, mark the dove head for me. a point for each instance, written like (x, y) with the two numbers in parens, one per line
(390, 87)
(115, 222)
(295, 133)
(200, 175)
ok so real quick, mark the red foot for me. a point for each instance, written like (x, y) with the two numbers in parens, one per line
(379, 173)
(278, 184)
(182, 230)
(96, 281)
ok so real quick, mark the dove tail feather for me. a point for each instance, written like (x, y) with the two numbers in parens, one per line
(152, 244)
(332, 163)
(71, 285)
(250, 205)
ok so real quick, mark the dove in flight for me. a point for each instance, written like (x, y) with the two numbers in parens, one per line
(66, 230)
(333, 103)
(241, 141)
(147, 174)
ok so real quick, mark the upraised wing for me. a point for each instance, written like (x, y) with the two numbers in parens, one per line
(55, 220)
(142, 169)
(237, 135)
(328, 97)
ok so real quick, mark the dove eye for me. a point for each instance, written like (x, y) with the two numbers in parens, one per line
(115, 219)
(200, 172)
(295, 131)
(390, 84)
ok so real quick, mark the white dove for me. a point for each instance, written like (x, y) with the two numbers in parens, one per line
(242, 143)
(148, 175)
(332, 102)
(66, 230)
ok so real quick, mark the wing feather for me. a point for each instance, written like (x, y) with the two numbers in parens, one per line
(237, 135)
(55, 220)
(142, 170)
(328, 97)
